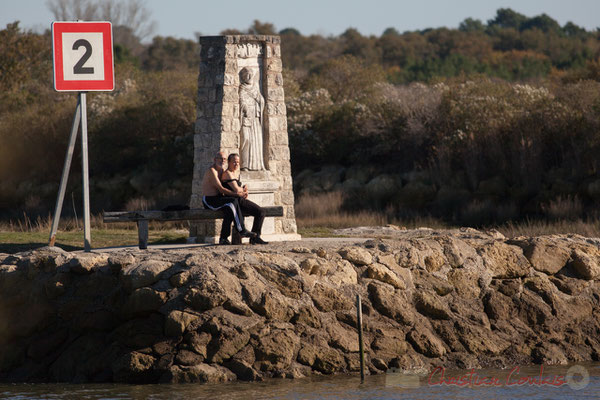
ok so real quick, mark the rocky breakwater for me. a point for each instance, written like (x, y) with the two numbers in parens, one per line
(461, 298)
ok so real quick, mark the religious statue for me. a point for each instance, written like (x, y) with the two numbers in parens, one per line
(252, 105)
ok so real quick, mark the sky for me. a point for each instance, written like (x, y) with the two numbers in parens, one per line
(184, 18)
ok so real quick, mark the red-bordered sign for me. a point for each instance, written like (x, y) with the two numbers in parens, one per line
(83, 56)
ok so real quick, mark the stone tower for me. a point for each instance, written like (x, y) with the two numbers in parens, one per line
(241, 109)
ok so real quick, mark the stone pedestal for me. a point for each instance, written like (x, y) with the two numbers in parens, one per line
(220, 117)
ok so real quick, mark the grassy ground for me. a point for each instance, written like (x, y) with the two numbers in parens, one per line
(14, 242)
(316, 216)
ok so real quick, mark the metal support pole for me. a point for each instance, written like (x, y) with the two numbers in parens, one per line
(84, 166)
(65, 174)
(360, 337)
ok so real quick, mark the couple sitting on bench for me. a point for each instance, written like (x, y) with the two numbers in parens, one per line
(222, 190)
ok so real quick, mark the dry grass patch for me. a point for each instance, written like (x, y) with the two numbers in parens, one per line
(325, 210)
(44, 224)
(589, 228)
(317, 214)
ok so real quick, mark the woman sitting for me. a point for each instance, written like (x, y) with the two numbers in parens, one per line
(231, 180)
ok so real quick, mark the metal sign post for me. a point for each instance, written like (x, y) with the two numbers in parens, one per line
(65, 175)
(85, 173)
(80, 117)
(83, 61)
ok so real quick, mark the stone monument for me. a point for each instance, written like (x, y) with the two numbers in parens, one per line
(241, 109)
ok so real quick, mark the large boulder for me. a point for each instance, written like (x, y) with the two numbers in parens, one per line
(143, 301)
(545, 255)
(503, 260)
(430, 305)
(382, 273)
(391, 303)
(586, 263)
(479, 340)
(329, 361)
(177, 322)
(425, 342)
(199, 373)
(356, 255)
(142, 274)
(134, 367)
(327, 298)
(389, 343)
(276, 349)
(212, 288)
(85, 263)
(230, 333)
(497, 306)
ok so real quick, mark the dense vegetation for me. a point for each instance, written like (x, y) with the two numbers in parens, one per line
(485, 123)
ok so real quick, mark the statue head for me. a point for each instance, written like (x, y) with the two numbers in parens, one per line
(246, 75)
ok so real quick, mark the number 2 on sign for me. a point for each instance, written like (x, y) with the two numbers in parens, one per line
(79, 67)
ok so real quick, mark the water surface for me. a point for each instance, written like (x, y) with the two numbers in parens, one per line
(581, 381)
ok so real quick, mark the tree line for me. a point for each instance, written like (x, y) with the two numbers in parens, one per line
(510, 46)
(510, 102)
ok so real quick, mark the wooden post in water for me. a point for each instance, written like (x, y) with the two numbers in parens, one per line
(360, 338)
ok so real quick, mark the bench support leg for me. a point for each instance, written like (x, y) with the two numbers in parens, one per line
(142, 225)
(235, 237)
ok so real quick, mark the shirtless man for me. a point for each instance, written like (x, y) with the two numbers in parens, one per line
(217, 197)
(231, 180)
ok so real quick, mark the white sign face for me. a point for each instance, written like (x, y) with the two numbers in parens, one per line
(83, 57)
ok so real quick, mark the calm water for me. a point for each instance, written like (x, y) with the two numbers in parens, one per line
(524, 383)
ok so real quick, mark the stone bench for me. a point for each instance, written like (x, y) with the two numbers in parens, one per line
(142, 218)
